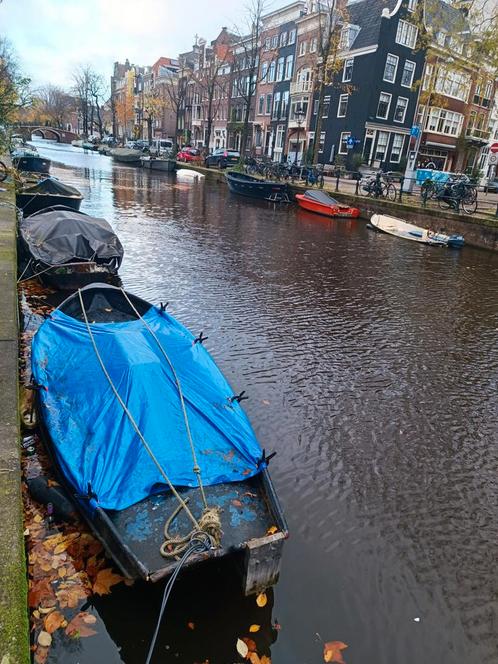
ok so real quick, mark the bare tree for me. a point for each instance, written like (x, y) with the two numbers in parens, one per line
(91, 91)
(98, 94)
(55, 104)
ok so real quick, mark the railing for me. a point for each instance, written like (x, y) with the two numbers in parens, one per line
(301, 86)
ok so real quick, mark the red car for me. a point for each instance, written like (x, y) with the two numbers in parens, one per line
(188, 154)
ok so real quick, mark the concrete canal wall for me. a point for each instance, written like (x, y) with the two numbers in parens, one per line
(479, 231)
(14, 631)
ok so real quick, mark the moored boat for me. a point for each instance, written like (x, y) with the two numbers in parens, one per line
(158, 163)
(189, 173)
(69, 249)
(406, 231)
(126, 156)
(248, 185)
(320, 202)
(138, 419)
(47, 193)
(29, 161)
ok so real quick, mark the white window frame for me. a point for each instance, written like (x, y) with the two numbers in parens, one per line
(404, 85)
(406, 29)
(402, 137)
(388, 80)
(274, 41)
(279, 138)
(283, 39)
(404, 112)
(292, 37)
(302, 48)
(326, 105)
(412, 5)
(313, 45)
(268, 106)
(341, 97)
(344, 79)
(320, 142)
(284, 104)
(280, 73)
(276, 106)
(342, 140)
(289, 67)
(261, 105)
(385, 146)
(382, 117)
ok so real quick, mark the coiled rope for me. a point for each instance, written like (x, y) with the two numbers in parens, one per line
(209, 522)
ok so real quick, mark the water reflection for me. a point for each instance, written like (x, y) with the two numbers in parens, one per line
(372, 370)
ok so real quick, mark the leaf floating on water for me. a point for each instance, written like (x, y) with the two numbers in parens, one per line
(254, 628)
(106, 578)
(191, 625)
(261, 600)
(332, 651)
(272, 530)
(70, 597)
(78, 627)
(44, 639)
(242, 648)
(236, 503)
(53, 621)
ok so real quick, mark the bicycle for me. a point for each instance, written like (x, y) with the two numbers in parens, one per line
(379, 188)
(459, 194)
(4, 171)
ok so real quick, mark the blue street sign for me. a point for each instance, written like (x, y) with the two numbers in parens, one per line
(415, 131)
(350, 141)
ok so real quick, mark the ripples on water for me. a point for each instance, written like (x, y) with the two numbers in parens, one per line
(371, 366)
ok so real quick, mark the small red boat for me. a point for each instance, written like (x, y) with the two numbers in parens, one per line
(322, 203)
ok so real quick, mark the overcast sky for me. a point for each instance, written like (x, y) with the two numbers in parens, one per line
(51, 37)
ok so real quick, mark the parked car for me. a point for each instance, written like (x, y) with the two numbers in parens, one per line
(222, 158)
(161, 145)
(491, 187)
(188, 154)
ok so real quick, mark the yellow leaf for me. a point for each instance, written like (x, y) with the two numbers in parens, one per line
(265, 659)
(104, 580)
(271, 530)
(242, 648)
(44, 639)
(38, 518)
(261, 600)
(254, 628)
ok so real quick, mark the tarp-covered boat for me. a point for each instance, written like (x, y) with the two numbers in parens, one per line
(126, 156)
(406, 231)
(105, 359)
(47, 193)
(319, 201)
(70, 249)
(248, 185)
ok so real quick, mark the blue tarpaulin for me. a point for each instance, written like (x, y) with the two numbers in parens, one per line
(93, 438)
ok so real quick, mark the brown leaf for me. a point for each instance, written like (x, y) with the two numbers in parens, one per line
(53, 621)
(191, 625)
(41, 655)
(236, 503)
(265, 659)
(250, 643)
(41, 592)
(105, 580)
(70, 596)
(254, 658)
(332, 651)
(78, 627)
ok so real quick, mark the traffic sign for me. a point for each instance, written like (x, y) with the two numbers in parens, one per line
(493, 159)
(493, 148)
(415, 131)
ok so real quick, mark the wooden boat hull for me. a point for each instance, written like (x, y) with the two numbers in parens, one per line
(31, 164)
(30, 203)
(327, 210)
(266, 190)
(252, 520)
(166, 165)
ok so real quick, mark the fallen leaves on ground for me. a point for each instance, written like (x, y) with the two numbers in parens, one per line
(79, 627)
(332, 651)
(261, 600)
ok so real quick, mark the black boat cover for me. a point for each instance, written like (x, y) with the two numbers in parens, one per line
(63, 236)
(51, 186)
(320, 197)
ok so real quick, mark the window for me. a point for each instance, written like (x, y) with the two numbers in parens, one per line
(268, 104)
(391, 68)
(285, 105)
(264, 72)
(279, 141)
(283, 39)
(400, 110)
(326, 106)
(442, 121)
(300, 105)
(406, 34)
(313, 45)
(276, 104)
(274, 41)
(441, 37)
(292, 37)
(267, 44)
(321, 145)
(280, 69)
(347, 72)
(383, 106)
(302, 48)
(343, 143)
(397, 148)
(382, 141)
(261, 105)
(348, 35)
(453, 83)
(407, 74)
(289, 62)
(315, 107)
(483, 98)
(271, 72)
(412, 5)
(343, 106)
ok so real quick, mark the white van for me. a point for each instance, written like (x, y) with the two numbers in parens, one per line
(161, 145)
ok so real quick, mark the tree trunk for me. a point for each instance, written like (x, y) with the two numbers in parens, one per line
(149, 130)
(209, 121)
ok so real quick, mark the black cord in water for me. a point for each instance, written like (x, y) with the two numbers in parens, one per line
(199, 543)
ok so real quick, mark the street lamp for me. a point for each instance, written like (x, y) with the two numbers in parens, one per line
(299, 114)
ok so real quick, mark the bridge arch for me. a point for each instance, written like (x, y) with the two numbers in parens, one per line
(47, 132)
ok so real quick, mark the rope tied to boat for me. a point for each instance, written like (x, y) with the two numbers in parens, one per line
(210, 522)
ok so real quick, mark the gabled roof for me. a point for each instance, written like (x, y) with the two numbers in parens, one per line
(367, 14)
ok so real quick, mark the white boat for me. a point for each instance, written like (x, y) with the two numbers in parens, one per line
(159, 164)
(406, 231)
(189, 173)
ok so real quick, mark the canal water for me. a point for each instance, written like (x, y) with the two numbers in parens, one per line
(371, 365)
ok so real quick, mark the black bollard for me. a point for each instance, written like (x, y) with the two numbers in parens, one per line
(401, 183)
(337, 174)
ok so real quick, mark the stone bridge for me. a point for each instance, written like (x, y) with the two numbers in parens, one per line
(51, 133)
